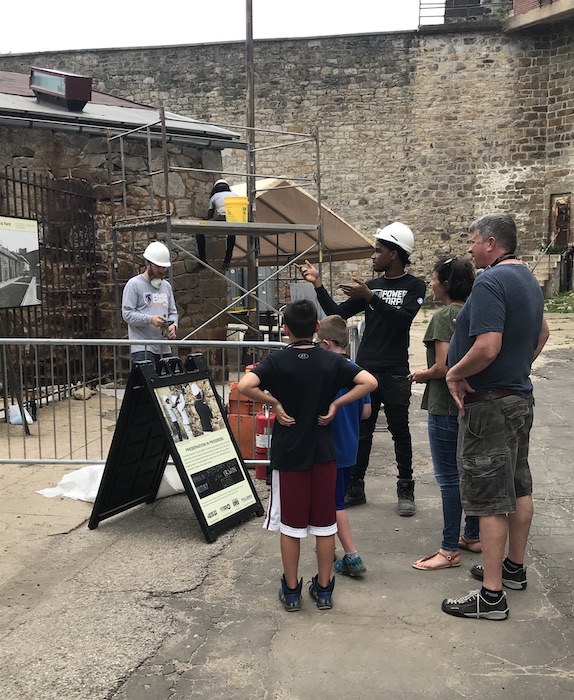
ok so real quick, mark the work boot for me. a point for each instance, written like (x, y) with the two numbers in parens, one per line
(355, 495)
(199, 267)
(406, 497)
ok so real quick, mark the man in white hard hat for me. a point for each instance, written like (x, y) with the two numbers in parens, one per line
(390, 303)
(216, 211)
(148, 306)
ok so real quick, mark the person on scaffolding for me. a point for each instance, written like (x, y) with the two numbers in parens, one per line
(148, 307)
(216, 212)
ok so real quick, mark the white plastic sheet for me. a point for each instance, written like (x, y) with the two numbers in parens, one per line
(15, 417)
(83, 484)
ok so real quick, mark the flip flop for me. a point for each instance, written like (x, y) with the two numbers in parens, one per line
(470, 545)
(450, 561)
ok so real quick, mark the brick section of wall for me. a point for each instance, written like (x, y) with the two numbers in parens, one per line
(520, 7)
(432, 128)
(560, 136)
(560, 127)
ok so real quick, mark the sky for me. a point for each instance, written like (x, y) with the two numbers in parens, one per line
(56, 25)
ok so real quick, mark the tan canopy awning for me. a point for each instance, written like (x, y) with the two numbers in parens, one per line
(282, 202)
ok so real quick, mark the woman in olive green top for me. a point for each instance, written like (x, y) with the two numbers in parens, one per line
(451, 284)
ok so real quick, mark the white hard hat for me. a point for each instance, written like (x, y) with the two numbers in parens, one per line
(221, 182)
(158, 254)
(195, 390)
(398, 234)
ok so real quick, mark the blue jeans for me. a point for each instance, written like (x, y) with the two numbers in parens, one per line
(443, 433)
(343, 480)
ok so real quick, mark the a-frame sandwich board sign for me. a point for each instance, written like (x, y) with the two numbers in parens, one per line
(176, 412)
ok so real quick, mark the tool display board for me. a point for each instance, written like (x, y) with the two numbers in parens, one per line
(176, 412)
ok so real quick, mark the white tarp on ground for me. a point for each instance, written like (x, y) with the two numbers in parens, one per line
(83, 484)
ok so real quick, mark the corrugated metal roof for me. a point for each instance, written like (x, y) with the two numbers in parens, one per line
(18, 84)
(103, 117)
(103, 112)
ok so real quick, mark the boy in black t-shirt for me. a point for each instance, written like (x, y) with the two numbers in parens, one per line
(300, 384)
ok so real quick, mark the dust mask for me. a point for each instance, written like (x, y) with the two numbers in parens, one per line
(156, 282)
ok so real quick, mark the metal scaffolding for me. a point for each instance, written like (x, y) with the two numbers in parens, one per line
(157, 133)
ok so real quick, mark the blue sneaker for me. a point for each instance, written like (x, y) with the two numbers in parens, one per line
(350, 567)
(322, 596)
(291, 599)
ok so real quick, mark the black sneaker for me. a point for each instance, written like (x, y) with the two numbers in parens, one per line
(474, 605)
(291, 599)
(322, 596)
(516, 580)
(406, 497)
(355, 495)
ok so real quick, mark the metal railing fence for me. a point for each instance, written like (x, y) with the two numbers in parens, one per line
(73, 420)
(435, 12)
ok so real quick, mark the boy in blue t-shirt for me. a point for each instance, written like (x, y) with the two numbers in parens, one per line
(300, 383)
(334, 336)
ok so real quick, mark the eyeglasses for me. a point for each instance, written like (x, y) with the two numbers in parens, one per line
(337, 343)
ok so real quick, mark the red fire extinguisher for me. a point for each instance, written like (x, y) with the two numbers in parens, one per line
(264, 422)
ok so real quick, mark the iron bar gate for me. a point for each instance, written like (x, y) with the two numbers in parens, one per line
(69, 291)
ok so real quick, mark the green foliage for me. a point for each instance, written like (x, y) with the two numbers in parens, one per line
(561, 303)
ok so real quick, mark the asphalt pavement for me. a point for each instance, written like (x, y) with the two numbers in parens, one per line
(143, 608)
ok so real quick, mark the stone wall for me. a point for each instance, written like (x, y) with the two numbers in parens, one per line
(433, 128)
(560, 131)
(85, 158)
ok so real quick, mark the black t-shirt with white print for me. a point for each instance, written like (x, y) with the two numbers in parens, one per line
(305, 381)
(388, 316)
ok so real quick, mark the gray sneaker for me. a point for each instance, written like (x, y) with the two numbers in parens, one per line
(516, 580)
(406, 497)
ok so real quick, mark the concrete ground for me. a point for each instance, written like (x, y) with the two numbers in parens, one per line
(142, 607)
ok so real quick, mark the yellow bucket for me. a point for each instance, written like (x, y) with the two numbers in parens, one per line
(236, 210)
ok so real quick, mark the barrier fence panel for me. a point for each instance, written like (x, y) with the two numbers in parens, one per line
(70, 392)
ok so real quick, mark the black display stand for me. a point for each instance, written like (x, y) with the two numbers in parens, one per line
(176, 412)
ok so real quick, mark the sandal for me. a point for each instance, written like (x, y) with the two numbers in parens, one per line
(448, 561)
(470, 545)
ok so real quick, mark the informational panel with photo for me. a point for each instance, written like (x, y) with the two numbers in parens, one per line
(206, 448)
(176, 413)
(19, 262)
